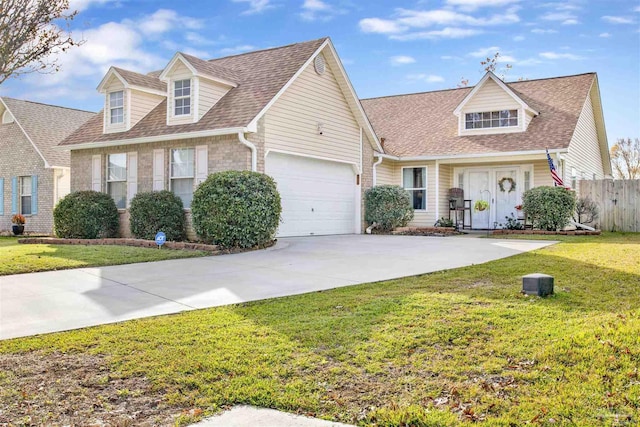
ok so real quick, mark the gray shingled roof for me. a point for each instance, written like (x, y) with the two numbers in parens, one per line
(142, 80)
(423, 124)
(260, 75)
(47, 125)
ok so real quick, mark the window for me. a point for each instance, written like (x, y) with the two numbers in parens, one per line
(574, 178)
(25, 195)
(182, 98)
(414, 180)
(182, 174)
(493, 119)
(527, 180)
(117, 179)
(116, 107)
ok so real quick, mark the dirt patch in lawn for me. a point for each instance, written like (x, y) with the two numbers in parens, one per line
(75, 389)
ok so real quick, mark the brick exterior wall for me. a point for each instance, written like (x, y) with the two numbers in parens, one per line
(19, 158)
(223, 152)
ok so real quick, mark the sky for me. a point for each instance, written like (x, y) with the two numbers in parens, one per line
(388, 47)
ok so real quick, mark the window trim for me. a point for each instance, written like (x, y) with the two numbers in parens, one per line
(192, 177)
(21, 194)
(425, 188)
(111, 109)
(125, 180)
(182, 97)
(481, 120)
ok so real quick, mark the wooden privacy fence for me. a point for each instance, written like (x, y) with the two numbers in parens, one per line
(618, 200)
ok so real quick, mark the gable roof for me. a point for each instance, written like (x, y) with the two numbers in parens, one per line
(422, 124)
(142, 80)
(46, 125)
(203, 68)
(502, 85)
(260, 76)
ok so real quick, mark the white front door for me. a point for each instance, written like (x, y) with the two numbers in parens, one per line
(479, 189)
(506, 194)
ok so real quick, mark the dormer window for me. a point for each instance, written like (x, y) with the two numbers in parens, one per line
(182, 97)
(116, 107)
(492, 119)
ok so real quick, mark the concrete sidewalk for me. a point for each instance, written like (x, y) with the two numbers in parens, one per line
(250, 416)
(60, 300)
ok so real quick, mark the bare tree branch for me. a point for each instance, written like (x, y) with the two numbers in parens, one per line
(625, 158)
(30, 38)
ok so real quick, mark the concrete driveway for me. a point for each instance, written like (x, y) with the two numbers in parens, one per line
(60, 300)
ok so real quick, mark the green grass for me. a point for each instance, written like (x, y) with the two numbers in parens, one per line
(16, 258)
(434, 350)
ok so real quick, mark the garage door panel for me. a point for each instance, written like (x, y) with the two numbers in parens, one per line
(318, 196)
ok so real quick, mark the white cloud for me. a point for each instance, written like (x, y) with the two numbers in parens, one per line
(543, 31)
(164, 20)
(423, 19)
(471, 5)
(485, 52)
(518, 38)
(529, 62)
(450, 57)
(570, 22)
(445, 33)
(558, 16)
(636, 9)
(429, 78)
(380, 26)
(554, 55)
(617, 19)
(81, 5)
(255, 6)
(402, 60)
(319, 10)
(605, 35)
(234, 50)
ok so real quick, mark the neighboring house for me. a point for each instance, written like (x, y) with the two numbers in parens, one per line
(487, 139)
(34, 174)
(290, 112)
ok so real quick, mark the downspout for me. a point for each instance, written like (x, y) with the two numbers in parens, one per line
(254, 151)
(375, 175)
(437, 190)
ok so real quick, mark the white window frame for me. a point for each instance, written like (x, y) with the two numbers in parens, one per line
(182, 97)
(25, 191)
(113, 108)
(499, 119)
(173, 178)
(109, 180)
(425, 188)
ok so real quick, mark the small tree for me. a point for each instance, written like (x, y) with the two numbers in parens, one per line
(388, 205)
(625, 158)
(550, 208)
(586, 210)
(29, 37)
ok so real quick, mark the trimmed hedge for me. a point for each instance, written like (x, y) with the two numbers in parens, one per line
(236, 209)
(550, 208)
(157, 211)
(86, 215)
(389, 206)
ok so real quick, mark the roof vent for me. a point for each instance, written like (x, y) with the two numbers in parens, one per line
(319, 64)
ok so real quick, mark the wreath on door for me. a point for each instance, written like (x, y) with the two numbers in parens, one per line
(512, 184)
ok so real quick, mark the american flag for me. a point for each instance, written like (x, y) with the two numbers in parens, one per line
(554, 174)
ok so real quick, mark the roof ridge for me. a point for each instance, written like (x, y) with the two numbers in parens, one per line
(471, 87)
(48, 105)
(266, 49)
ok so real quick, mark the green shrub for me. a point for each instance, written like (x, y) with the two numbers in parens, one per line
(444, 222)
(236, 209)
(157, 211)
(86, 215)
(389, 206)
(550, 208)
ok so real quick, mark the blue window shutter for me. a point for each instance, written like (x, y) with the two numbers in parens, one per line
(34, 194)
(1, 196)
(14, 195)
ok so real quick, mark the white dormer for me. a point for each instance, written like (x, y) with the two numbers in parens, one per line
(492, 108)
(127, 103)
(194, 86)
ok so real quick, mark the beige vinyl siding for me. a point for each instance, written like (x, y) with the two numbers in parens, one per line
(209, 93)
(421, 218)
(490, 97)
(115, 84)
(584, 148)
(141, 104)
(446, 182)
(541, 174)
(385, 173)
(179, 71)
(527, 119)
(291, 124)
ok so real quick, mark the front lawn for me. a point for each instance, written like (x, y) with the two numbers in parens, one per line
(441, 349)
(16, 258)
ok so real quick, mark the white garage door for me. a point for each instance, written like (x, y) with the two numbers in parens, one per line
(318, 196)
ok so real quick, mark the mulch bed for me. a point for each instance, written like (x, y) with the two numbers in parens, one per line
(140, 243)
(561, 233)
(421, 231)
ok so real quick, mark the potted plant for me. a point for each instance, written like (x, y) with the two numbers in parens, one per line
(520, 213)
(18, 222)
(481, 205)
